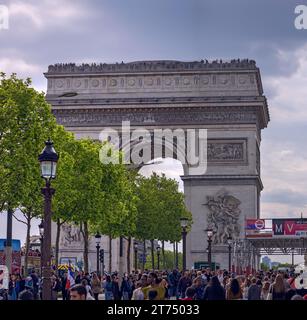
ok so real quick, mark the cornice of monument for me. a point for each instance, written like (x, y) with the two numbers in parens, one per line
(151, 66)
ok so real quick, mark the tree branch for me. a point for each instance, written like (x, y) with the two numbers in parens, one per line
(19, 220)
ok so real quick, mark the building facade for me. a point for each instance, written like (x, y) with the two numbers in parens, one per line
(224, 98)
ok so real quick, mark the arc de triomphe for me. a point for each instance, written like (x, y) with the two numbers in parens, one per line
(226, 98)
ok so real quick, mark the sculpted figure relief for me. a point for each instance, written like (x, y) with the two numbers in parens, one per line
(223, 217)
(70, 234)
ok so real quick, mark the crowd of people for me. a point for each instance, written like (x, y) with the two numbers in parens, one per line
(161, 285)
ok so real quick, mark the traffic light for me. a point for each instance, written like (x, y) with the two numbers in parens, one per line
(101, 255)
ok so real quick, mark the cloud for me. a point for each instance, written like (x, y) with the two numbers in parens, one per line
(285, 196)
(288, 102)
(45, 13)
(18, 66)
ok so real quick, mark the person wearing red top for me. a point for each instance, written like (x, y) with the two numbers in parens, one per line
(190, 294)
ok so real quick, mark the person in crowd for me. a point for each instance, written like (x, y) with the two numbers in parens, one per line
(297, 297)
(138, 293)
(277, 289)
(55, 287)
(13, 290)
(115, 287)
(184, 282)
(220, 275)
(199, 289)
(164, 285)
(20, 283)
(26, 295)
(265, 290)
(226, 282)
(126, 287)
(290, 293)
(254, 291)
(77, 292)
(96, 285)
(173, 279)
(89, 293)
(247, 283)
(35, 281)
(79, 277)
(189, 294)
(154, 284)
(108, 290)
(152, 295)
(214, 290)
(234, 292)
(291, 281)
(63, 286)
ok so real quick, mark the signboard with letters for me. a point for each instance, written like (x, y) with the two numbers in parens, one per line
(289, 228)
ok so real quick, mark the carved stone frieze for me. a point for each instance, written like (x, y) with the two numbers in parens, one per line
(102, 117)
(225, 151)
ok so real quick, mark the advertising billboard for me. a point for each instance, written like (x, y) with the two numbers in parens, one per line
(289, 228)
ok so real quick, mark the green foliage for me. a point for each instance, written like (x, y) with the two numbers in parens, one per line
(169, 260)
(160, 208)
(26, 122)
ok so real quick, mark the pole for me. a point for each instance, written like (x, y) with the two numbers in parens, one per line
(42, 252)
(46, 266)
(209, 253)
(184, 250)
(229, 258)
(292, 258)
(158, 254)
(8, 242)
(97, 248)
(135, 259)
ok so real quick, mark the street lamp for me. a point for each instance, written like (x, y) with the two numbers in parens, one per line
(135, 255)
(209, 236)
(98, 239)
(48, 160)
(229, 241)
(184, 224)
(158, 254)
(41, 233)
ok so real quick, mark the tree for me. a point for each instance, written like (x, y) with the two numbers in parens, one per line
(160, 208)
(26, 121)
(87, 198)
(65, 197)
(117, 215)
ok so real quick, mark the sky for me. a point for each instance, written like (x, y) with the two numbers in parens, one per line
(50, 31)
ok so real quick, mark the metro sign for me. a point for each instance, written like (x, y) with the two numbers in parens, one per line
(255, 224)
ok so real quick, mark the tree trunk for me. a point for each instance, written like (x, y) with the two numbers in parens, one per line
(152, 255)
(110, 254)
(86, 247)
(84, 231)
(144, 255)
(163, 255)
(174, 251)
(57, 243)
(177, 265)
(28, 217)
(128, 254)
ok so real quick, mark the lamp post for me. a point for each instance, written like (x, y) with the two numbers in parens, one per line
(135, 246)
(41, 233)
(209, 239)
(184, 224)
(98, 239)
(158, 254)
(229, 241)
(48, 160)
